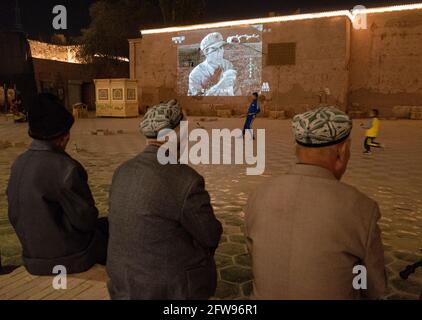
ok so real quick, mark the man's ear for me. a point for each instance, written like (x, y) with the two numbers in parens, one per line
(341, 150)
(64, 140)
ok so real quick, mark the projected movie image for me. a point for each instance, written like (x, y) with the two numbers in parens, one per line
(220, 62)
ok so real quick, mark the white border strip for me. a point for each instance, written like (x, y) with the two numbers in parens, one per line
(297, 17)
(404, 7)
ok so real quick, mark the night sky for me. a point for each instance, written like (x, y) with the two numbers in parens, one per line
(37, 16)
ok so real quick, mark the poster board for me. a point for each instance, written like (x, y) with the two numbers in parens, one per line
(116, 98)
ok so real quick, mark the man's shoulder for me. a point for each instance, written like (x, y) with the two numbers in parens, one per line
(171, 171)
(338, 190)
(354, 192)
(47, 158)
(19, 162)
(22, 157)
(126, 166)
(190, 173)
(66, 160)
(349, 197)
(183, 173)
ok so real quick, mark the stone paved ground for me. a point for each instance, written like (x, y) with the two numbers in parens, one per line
(392, 177)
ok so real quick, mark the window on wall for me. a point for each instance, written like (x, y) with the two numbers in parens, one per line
(281, 54)
(189, 57)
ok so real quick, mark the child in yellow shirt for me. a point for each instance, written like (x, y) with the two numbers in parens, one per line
(372, 129)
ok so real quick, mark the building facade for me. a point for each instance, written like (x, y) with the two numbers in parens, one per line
(57, 70)
(372, 59)
(28, 67)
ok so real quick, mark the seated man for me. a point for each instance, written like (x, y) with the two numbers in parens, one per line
(306, 230)
(50, 203)
(163, 232)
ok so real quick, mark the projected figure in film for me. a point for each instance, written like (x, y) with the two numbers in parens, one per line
(215, 76)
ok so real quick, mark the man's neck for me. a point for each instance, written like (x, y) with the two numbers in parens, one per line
(320, 164)
(49, 144)
(154, 143)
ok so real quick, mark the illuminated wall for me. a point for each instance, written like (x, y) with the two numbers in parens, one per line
(57, 70)
(324, 59)
(42, 50)
(320, 49)
(386, 62)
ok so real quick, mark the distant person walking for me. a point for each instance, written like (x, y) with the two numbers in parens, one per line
(372, 129)
(253, 110)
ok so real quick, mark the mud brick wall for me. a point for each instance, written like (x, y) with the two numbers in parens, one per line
(380, 66)
(386, 62)
(42, 50)
(321, 61)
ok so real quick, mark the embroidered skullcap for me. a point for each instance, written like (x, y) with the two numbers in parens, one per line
(166, 115)
(321, 127)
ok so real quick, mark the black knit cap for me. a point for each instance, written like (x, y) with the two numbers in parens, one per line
(48, 118)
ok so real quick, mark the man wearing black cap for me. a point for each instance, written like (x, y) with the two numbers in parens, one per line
(50, 203)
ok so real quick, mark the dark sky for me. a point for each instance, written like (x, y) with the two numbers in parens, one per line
(37, 14)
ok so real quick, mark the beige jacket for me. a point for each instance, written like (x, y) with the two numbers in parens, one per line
(306, 231)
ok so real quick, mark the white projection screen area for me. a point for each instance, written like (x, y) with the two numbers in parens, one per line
(220, 62)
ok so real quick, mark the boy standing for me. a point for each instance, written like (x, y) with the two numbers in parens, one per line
(252, 112)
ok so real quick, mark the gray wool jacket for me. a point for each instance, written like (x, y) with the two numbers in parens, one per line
(52, 210)
(163, 232)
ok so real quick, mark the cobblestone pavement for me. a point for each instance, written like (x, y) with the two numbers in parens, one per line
(392, 177)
